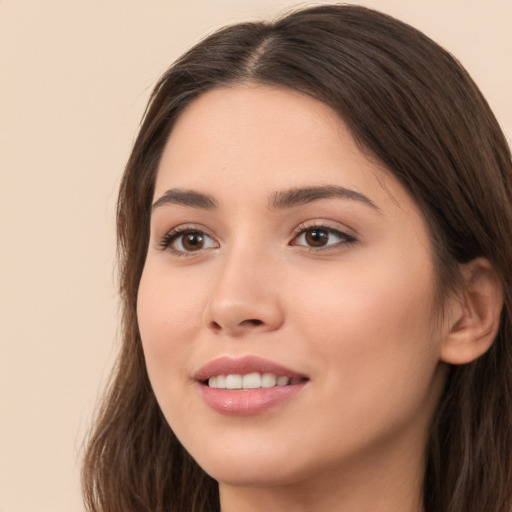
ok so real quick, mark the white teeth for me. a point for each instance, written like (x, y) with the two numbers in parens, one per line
(219, 382)
(233, 382)
(268, 380)
(283, 381)
(250, 381)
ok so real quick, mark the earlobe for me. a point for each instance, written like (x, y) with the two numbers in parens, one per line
(476, 318)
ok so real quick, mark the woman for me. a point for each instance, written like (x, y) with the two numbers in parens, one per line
(314, 232)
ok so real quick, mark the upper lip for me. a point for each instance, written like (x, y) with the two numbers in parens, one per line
(243, 365)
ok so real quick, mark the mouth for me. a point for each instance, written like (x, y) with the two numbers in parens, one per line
(253, 380)
(248, 372)
(248, 385)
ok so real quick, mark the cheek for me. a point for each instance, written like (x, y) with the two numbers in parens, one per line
(374, 330)
(168, 318)
(372, 300)
(378, 362)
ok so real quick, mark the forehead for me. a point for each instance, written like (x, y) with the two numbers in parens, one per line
(251, 140)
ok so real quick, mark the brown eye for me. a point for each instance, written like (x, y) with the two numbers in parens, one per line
(316, 237)
(192, 241)
(188, 241)
(320, 237)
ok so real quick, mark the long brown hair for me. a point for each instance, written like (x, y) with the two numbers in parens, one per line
(409, 104)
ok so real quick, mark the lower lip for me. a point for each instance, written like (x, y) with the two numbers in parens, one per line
(247, 402)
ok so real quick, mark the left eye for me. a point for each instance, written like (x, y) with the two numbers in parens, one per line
(189, 241)
(318, 237)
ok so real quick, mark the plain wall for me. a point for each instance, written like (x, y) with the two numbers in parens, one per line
(74, 78)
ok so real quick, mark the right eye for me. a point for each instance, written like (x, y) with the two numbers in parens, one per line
(183, 242)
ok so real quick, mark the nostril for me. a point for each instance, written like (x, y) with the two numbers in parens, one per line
(215, 326)
(253, 321)
(234, 325)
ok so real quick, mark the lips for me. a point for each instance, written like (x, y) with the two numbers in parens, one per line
(248, 385)
(244, 366)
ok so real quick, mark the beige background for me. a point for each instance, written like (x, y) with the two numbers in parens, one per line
(74, 77)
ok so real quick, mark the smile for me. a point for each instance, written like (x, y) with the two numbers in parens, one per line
(250, 381)
(247, 386)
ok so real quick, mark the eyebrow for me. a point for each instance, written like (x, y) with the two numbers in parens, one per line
(280, 200)
(186, 198)
(299, 196)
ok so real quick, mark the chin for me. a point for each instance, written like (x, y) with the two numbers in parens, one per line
(251, 466)
(262, 474)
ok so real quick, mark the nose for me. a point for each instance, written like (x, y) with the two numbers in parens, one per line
(244, 297)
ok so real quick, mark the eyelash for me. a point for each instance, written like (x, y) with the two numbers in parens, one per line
(345, 239)
(171, 236)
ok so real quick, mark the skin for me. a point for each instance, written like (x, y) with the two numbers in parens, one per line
(357, 316)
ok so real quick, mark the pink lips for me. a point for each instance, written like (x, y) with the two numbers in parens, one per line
(251, 401)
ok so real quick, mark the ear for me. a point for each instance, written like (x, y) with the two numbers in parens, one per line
(475, 318)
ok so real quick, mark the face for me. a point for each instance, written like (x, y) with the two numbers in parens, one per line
(286, 305)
